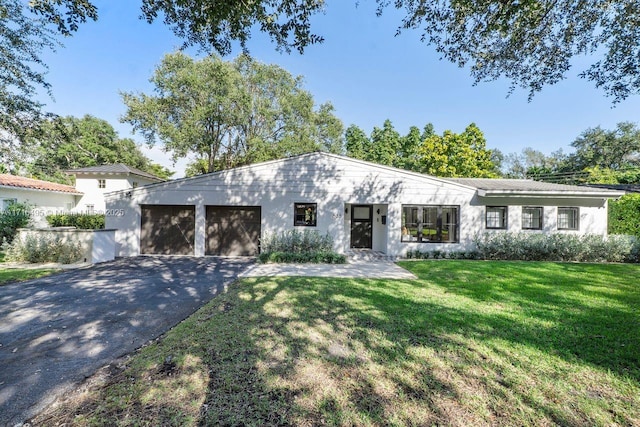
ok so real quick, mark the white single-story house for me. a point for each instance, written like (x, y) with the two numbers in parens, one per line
(94, 181)
(43, 197)
(361, 205)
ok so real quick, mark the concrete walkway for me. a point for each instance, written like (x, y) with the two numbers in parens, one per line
(355, 269)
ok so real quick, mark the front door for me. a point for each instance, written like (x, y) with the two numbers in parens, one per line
(361, 226)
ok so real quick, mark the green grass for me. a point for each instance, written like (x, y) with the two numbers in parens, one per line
(11, 275)
(468, 343)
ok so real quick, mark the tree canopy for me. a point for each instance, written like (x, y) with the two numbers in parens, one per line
(601, 156)
(65, 143)
(449, 155)
(230, 113)
(531, 42)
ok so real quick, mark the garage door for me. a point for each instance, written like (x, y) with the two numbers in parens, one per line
(233, 230)
(167, 229)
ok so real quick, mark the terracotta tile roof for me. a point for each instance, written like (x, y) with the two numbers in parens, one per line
(117, 168)
(7, 180)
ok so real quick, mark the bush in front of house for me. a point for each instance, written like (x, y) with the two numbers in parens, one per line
(79, 221)
(557, 247)
(624, 215)
(16, 215)
(42, 248)
(293, 246)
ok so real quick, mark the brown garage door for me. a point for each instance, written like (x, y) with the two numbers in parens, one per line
(233, 230)
(167, 229)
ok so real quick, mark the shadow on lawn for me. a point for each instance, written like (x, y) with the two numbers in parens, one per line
(302, 351)
(345, 353)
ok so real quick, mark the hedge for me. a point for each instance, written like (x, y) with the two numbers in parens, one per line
(624, 215)
(80, 221)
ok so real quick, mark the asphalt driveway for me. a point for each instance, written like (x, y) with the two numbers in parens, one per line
(58, 330)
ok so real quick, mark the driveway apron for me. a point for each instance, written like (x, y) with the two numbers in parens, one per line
(58, 330)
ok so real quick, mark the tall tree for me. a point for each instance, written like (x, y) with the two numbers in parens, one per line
(611, 149)
(230, 113)
(385, 145)
(457, 155)
(531, 42)
(22, 74)
(357, 143)
(70, 142)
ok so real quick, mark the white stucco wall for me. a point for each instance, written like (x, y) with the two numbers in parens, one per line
(42, 202)
(333, 183)
(93, 195)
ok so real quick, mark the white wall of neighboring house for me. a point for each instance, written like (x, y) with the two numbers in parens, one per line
(93, 198)
(336, 184)
(42, 202)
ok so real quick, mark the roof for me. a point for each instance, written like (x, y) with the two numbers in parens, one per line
(504, 187)
(320, 154)
(629, 188)
(486, 187)
(14, 181)
(115, 169)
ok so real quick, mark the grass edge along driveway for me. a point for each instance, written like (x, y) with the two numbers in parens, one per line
(468, 343)
(13, 275)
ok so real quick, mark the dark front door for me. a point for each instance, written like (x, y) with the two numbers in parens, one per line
(361, 226)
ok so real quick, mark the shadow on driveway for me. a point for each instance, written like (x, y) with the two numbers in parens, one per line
(56, 331)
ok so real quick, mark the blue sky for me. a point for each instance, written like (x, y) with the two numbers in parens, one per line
(366, 72)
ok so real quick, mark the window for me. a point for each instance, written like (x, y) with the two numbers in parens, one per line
(8, 202)
(496, 217)
(134, 184)
(568, 218)
(433, 224)
(102, 183)
(90, 208)
(531, 218)
(304, 214)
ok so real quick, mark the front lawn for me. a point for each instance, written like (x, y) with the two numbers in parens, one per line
(468, 343)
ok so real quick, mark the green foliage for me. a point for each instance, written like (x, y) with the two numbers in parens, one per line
(299, 247)
(557, 247)
(79, 221)
(451, 154)
(23, 38)
(297, 241)
(65, 143)
(42, 248)
(13, 217)
(607, 149)
(624, 215)
(456, 155)
(316, 257)
(230, 113)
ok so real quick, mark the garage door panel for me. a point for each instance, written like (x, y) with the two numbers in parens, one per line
(233, 230)
(167, 230)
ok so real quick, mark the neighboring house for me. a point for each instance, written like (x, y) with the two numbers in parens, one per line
(95, 181)
(360, 204)
(43, 197)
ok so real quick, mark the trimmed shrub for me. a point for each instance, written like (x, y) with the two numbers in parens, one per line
(79, 221)
(302, 257)
(557, 247)
(293, 246)
(42, 248)
(17, 215)
(624, 215)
